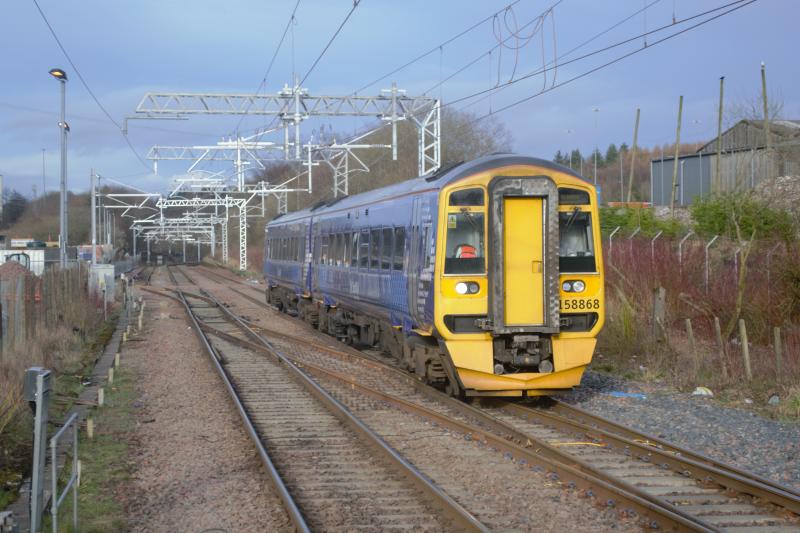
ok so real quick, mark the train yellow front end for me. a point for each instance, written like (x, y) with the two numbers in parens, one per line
(519, 285)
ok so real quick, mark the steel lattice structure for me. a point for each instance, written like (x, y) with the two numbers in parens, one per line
(291, 106)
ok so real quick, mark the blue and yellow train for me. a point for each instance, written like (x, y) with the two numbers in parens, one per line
(485, 278)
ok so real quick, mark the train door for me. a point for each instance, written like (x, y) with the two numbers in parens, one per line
(523, 272)
(523, 260)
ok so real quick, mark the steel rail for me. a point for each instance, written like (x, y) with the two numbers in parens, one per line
(172, 275)
(465, 520)
(507, 440)
(703, 472)
(185, 275)
(283, 493)
(592, 420)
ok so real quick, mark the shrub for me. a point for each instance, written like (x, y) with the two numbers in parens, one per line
(714, 216)
(631, 218)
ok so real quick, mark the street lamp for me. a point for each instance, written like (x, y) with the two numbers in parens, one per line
(61, 76)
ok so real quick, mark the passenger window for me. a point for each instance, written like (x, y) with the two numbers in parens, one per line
(387, 249)
(363, 249)
(323, 251)
(375, 249)
(339, 250)
(354, 249)
(467, 197)
(399, 247)
(426, 247)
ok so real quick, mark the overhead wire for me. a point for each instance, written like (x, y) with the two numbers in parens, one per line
(617, 44)
(330, 41)
(490, 51)
(435, 48)
(86, 85)
(263, 83)
(737, 4)
(733, 5)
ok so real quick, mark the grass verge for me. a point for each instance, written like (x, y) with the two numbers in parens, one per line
(72, 358)
(105, 469)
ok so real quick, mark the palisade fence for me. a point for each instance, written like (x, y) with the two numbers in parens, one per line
(693, 283)
(31, 304)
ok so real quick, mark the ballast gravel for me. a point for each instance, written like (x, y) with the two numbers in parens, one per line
(504, 494)
(193, 466)
(740, 438)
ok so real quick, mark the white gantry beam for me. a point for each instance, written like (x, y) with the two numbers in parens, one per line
(283, 103)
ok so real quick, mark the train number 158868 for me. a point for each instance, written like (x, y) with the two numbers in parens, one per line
(574, 304)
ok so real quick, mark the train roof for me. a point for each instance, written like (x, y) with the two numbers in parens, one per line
(434, 181)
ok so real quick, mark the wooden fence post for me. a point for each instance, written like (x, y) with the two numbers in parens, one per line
(778, 351)
(721, 347)
(745, 349)
(692, 345)
(659, 313)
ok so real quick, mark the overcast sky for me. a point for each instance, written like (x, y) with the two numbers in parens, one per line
(125, 49)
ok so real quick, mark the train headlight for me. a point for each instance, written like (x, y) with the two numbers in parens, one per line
(467, 287)
(573, 286)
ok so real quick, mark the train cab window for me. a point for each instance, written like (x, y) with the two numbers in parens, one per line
(399, 248)
(467, 197)
(375, 249)
(387, 249)
(465, 243)
(576, 246)
(567, 196)
(363, 249)
(354, 249)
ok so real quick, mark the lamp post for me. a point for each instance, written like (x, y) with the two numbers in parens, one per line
(61, 76)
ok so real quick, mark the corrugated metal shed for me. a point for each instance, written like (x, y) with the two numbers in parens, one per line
(744, 162)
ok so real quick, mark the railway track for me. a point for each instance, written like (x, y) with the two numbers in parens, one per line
(330, 470)
(145, 274)
(227, 280)
(700, 492)
(178, 276)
